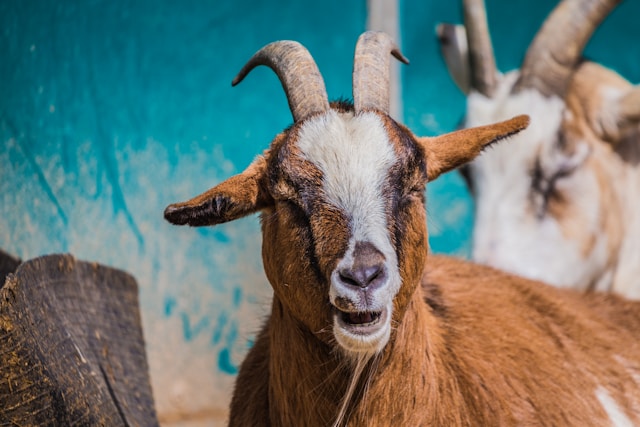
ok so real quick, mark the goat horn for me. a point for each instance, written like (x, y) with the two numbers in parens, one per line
(371, 69)
(558, 46)
(298, 73)
(481, 59)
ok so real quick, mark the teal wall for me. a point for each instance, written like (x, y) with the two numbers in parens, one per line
(112, 109)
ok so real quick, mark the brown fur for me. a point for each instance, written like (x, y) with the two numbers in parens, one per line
(469, 345)
(507, 351)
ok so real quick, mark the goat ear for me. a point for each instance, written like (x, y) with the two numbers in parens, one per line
(447, 152)
(238, 196)
(629, 108)
(618, 116)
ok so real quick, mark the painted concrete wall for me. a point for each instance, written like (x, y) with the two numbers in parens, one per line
(110, 110)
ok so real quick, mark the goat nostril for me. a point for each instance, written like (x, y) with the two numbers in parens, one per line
(347, 278)
(371, 273)
(362, 276)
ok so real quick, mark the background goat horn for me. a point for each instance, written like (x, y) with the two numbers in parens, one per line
(371, 69)
(481, 59)
(298, 73)
(558, 46)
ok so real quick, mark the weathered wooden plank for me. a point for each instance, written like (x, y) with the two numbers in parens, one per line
(72, 350)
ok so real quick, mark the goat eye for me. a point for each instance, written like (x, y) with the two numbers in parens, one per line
(285, 193)
(418, 191)
(559, 165)
(538, 180)
(415, 193)
(544, 186)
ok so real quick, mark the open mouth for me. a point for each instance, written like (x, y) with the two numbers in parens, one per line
(360, 318)
(360, 323)
(362, 331)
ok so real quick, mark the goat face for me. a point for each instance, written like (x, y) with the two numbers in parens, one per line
(541, 204)
(341, 195)
(345, 195)
(547, 207)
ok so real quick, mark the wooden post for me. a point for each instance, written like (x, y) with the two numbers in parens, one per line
(71, 347)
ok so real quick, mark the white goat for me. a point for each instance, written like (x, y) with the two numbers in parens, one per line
(366, 329)
(562, 204)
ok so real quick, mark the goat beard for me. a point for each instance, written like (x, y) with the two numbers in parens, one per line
(360, 364)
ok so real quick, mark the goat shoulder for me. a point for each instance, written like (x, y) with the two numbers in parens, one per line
(541, 354)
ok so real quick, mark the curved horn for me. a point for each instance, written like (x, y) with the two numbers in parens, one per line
(298, 73)
(481, 59)
(558, 46)
(371, 69)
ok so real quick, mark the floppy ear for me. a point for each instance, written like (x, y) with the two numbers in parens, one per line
(448, 151)
(617, 117)
(629, 108)
(238, 196)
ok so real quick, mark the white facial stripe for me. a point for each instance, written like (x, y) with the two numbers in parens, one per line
(616, 415)
(354, 155)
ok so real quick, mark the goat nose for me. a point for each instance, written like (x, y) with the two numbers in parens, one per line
(367, 269)
(361, 277)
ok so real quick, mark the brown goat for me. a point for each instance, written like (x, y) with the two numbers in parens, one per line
(365, 328)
